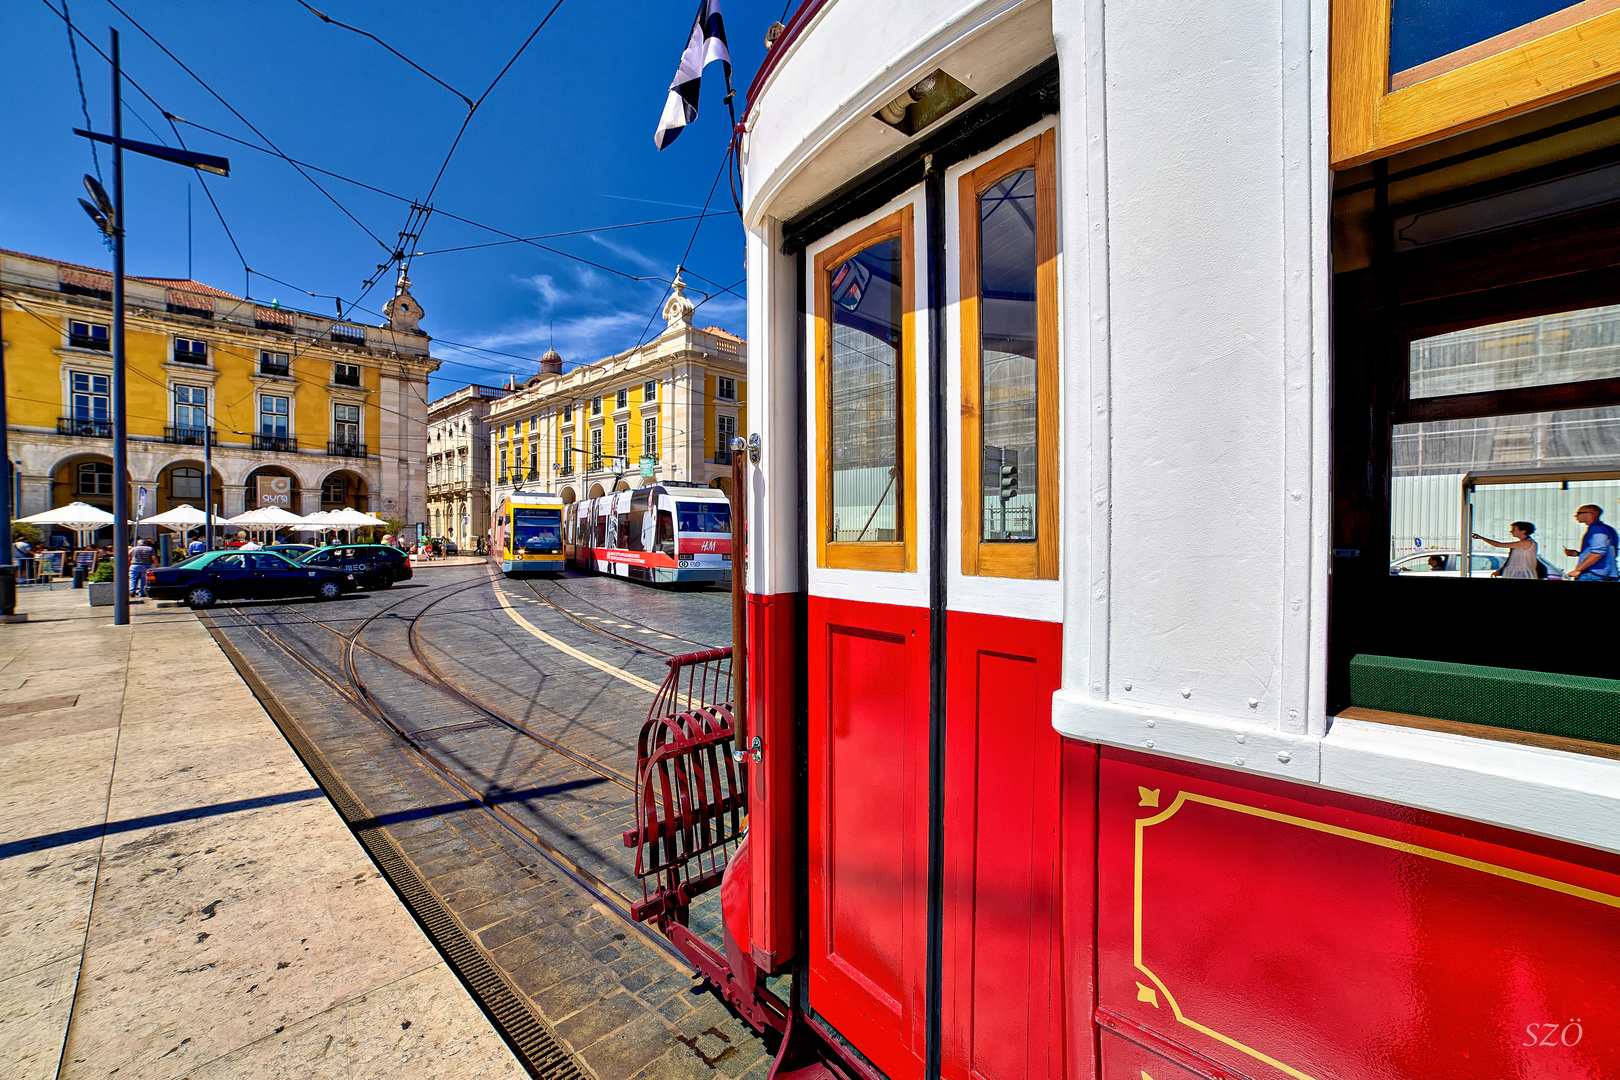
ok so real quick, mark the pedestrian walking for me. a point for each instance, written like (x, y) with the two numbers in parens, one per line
(1597, 551)
(141, 557)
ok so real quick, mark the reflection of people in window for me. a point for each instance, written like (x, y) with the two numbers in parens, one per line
(1521, 560)
(1597, 553)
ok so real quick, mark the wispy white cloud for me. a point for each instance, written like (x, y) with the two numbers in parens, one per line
(645, 263)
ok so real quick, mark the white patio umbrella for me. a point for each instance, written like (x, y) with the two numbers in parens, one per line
(268, 517)
(182, 518)
(343, 518)
(76, 515)
(82, 518)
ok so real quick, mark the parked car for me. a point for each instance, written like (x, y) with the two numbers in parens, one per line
(291, 551)
(445, 546)
(241, 575)
(374, 566)
(1482, 564)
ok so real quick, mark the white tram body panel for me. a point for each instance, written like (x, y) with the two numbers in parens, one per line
(662, 534)
(1079, 799)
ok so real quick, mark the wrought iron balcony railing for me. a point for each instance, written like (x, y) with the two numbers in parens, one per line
(345, 448)
(281, 444)
(83, 427)
(189, 436)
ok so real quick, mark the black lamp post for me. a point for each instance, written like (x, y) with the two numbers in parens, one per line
(108, 214)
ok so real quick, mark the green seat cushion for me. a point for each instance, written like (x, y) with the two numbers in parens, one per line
(1568, 706)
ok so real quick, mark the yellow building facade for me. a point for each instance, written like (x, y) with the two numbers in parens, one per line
(304, 412)
(665, 411)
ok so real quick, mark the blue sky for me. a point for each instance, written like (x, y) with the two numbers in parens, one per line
(563, 143)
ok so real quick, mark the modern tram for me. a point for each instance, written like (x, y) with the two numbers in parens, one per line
(525, 532)
(663, 534)
(1086, 732)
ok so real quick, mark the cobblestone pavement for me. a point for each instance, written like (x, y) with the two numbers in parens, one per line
(612, 992)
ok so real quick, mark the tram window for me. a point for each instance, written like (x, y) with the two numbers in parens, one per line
(864, 359)
(1009, 364)
(665, 539)
(536, 529)
(703, 517)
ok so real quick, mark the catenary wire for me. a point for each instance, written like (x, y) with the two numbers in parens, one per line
(84, 102)
(366, 33)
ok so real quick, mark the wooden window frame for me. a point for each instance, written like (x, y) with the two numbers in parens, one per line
(890, 556)
(1544, 61)
(1037, 561)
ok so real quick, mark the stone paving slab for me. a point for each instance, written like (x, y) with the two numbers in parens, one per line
(177, 896)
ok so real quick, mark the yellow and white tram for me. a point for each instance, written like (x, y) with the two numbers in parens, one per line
(525, 532)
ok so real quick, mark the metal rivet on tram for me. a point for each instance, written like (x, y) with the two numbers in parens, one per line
(1152, 723)
(1284, 756)
(1237, 761)
(1127, 684)
(1242, 737)
(1148, 744)
(1186, 691)
(1254, 703)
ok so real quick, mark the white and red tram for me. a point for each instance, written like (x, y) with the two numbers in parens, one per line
(663, 534)
(1087, 731)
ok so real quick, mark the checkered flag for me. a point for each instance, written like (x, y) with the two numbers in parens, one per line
(706, 45)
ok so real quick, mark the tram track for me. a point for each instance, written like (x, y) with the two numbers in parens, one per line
(351, 687)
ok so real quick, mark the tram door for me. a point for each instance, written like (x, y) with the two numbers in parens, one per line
(869, 442)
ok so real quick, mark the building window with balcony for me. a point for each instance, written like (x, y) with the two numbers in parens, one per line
(500, 477)
(534, 460)
(346, 374)
(596, 405)
(89, 335)
(621, 440)
(567, 468)
(596, 447)
(275, 424)
(95, 478)
(334, 490)
(649, 438)
(190, 415)
(622, 401)
(725, 429)
(346, 431)
(190, 351)
(274, 363)
(185, 484)
(649, 390)
(725, 389)
(91, 397)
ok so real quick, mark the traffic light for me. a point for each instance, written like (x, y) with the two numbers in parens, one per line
(1009, 481)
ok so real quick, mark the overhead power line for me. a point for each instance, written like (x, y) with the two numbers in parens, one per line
(366, 33)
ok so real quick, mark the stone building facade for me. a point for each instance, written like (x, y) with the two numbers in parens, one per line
(458, 464)
(663, 411)
(304, 411)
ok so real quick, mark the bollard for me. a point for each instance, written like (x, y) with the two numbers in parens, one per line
(165, 549)
(8, 595)
(79, 574)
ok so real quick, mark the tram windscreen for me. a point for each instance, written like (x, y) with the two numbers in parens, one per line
(703, 517)
(536, 530)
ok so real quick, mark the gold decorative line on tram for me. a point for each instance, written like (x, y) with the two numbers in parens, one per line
(1149, 797)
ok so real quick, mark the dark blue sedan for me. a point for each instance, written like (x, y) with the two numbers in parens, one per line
(244, 575)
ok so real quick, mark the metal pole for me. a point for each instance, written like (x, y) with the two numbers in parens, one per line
(739, 591)
(8, 570)
(208, 480)
(120, 428)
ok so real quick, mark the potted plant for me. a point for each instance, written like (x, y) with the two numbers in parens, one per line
(101, 585)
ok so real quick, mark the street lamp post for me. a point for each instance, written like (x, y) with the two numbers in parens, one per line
(109, 216)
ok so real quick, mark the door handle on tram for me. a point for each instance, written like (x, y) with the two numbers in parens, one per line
(756, 750)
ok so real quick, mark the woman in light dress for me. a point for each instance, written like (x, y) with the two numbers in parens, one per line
(1521, 560)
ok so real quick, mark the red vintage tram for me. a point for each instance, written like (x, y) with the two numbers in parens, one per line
(1086, 732)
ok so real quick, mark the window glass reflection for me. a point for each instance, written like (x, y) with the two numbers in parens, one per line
(1008, 383)
(863, 436)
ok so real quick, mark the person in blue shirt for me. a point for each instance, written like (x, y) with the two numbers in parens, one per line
(1597, 553)
(196, 547)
